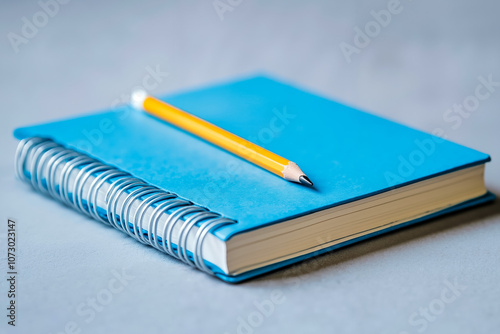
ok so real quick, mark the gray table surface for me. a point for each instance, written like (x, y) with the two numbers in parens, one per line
(438, 277)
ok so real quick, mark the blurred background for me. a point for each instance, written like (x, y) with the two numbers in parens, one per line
(410, 61)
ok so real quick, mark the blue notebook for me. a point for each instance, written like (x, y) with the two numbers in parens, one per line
(227, 217)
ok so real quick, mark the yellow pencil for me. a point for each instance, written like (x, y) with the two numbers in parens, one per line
(243, 148)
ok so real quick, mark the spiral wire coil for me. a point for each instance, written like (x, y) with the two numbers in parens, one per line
(38, 159)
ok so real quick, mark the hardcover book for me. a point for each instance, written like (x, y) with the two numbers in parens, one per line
(227, 217)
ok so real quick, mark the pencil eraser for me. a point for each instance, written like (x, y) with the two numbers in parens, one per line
(137, 98)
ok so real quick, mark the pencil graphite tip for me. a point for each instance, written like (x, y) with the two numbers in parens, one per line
(305, 180)
(292, 172)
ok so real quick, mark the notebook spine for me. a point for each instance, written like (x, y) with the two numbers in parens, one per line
(38, 159)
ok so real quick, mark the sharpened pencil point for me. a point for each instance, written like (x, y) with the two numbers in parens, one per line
(305, 180)
(292, 172)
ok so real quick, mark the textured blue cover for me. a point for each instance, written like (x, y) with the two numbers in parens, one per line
(349, 154)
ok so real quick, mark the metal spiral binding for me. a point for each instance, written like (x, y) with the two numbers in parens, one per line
(38, 160)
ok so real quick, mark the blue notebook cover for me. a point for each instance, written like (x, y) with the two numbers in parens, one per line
(349, 154)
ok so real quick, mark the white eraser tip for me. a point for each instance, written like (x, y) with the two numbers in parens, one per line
(137, 98)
